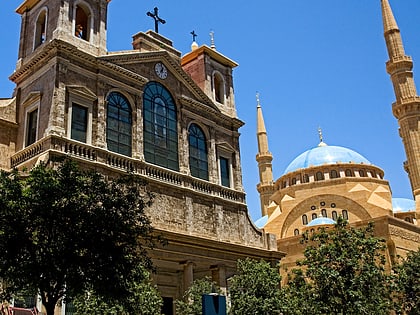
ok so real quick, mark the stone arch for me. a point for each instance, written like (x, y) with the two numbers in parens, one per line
(219, 87)
(83, 18)
(340, 201)
(40, 29)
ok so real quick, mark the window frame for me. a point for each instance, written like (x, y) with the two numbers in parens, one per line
(38, 31)
(83, 100)
(89, 20)
(202, 157)
(219, 87)
(31, 106)
(119, 144)
(156, 148)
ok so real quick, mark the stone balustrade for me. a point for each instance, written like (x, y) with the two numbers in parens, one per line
(151, 172)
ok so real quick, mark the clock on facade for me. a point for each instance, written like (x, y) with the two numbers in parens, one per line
(161, 70)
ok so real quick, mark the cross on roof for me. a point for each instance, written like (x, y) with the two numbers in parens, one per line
(194, 35)
(157, 19)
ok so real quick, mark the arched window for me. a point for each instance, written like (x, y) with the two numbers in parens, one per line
(362, 173)
(219, 88)
(82, 22)
(334, 174)
(334, 215)
(198, 152)
(345, 215)
(324, 213)
(160, 127)
(118, 124)
(408, 219)
(304, 219)
(306, 178)
(296, 232)
(294, 181)
(314, 216)
(319, 176)
(41, 28)
(349, 173)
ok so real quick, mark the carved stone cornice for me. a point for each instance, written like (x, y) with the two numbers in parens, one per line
(404, 234)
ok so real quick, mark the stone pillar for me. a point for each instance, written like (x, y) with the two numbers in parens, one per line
(212, 156)
(218, 275)
(188, 276)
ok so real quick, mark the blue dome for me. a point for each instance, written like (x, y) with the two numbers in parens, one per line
(321, 221)
(261, 222)
(403, 205)
(324, 154)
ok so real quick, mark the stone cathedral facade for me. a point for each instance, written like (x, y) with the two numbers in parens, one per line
(168, 119)
(326, 182)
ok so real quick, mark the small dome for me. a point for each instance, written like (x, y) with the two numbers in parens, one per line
(403, 205)
(325, 154)
(261, 222)
(321, 221)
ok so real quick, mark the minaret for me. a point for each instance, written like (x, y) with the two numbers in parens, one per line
(407, 105)
(264, 158)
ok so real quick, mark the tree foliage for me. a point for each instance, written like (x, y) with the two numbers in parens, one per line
(144, 299)
(255, 289)
(191, 303)
(408, 275)
(343, 272)
(64, 231)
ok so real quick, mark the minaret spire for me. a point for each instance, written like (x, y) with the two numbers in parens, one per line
(407, 105)
(264, 158)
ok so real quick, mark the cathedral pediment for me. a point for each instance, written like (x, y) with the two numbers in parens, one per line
(143, 65)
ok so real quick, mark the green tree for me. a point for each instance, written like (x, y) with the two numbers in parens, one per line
(255, 289)
(408, 275)
(144, 300)
(191, 303)
(344, 272)
(64, 231)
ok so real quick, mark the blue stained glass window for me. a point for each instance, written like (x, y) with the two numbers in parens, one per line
(198, 152)
(160, 126)
(119, 124)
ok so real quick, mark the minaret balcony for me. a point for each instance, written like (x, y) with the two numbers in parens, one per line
(398, 64)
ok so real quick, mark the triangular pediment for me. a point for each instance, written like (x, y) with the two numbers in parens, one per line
(82, 91)
(141, 65)
(32, 97)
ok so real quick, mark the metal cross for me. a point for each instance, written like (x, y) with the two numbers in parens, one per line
(194, 35)
(157, 19)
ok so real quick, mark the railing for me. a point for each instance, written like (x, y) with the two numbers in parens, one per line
(113, 160)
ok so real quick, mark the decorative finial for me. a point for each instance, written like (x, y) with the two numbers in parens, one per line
(157, 19)
(212, 45)
(258, 99)
(320, 134)
(321, 140)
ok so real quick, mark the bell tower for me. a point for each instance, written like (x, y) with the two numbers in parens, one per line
(79, 22)
(212, 72)
(407, 105)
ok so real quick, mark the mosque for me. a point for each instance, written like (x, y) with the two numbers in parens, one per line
(326, 182)
(172, 120)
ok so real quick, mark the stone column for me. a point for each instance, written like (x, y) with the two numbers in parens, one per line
(218, 275)
(188, 276)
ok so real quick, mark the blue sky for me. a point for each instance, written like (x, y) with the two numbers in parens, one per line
(314, 63)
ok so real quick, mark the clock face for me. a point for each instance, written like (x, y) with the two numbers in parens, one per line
(161, 70)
